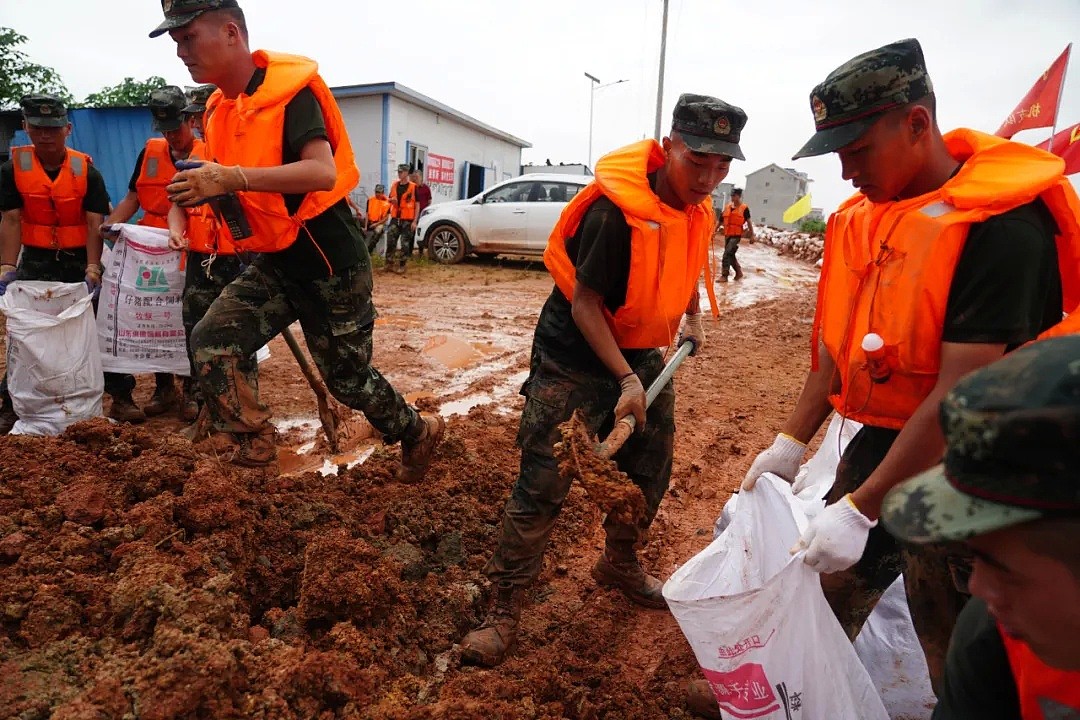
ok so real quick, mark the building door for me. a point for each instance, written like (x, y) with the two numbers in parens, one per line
(472, 180)
(416, 157)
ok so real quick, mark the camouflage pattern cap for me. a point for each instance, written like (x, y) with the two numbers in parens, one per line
(179, 13)
(167, 107)
(44, 111)
(1012, 434)
(197, 97)
(404, 168)
(709, 125)
(855, 94)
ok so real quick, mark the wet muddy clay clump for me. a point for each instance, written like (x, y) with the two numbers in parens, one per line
(610, 488)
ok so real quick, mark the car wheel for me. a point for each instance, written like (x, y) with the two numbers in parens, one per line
(446, 244)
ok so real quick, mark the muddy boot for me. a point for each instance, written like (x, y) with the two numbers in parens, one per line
(8, 418)
(701, 702)
(124, 409)
(200, 428)
(738, 275)
(256, 449)
(625, 573)
(189, 403)
(722, 278)
(165, 398)
(416, 453)
(488, 644)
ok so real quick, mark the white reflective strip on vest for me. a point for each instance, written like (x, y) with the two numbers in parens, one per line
(938, 209)
(78, 167)
(26, 160)
(151, 167)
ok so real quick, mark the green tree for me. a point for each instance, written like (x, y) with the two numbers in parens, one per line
(812, 226)
(20, 76)
(130, 92)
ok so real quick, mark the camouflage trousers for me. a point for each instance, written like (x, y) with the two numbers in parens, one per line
(731, 246)
(337, 316)
(203, 282)
(67, 266)
(933, 596)
(399, 232)
(372, 236)
(552, 394)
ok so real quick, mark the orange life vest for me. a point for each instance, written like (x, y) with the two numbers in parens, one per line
(888, 268)
(377, 208)
(668, 248)
(205, 233)
(157, 171)
(248, 131)
(734, 219)
(52, 212)
(1042, 689)
(404, 209)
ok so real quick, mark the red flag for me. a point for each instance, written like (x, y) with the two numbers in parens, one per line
(1039, 107)
(1066, 145)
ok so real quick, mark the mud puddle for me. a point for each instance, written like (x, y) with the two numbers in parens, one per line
(767, 275)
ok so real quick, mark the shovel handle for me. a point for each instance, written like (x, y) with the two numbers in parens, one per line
(624, 428)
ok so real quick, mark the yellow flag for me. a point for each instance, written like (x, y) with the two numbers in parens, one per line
(800, 209)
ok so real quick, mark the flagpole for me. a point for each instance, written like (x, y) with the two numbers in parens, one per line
(1061, 90)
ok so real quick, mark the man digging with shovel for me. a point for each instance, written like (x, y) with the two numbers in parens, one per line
(626, 256)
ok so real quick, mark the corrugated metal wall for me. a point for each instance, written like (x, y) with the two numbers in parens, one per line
(113, 137)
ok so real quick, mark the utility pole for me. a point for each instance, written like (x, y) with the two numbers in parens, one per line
(660, 81)
(592, 94)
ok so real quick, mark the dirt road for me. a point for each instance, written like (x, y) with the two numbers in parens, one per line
(138, 580)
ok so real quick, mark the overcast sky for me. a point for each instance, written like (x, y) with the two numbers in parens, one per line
(518, 65)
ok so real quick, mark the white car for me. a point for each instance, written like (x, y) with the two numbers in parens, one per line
(514, 217)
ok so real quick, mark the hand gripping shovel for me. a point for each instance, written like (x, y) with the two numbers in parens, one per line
(582, 458)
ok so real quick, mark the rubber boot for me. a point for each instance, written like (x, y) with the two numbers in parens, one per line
(490, 643)
(621, 569)
(165, 398)
(701, 701)
(256, 449)
(416, 454)
(8, 418)
(189, 403)
(124, 409)
(738, 275)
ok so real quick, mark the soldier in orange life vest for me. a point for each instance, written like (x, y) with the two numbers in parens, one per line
(153, 170)
(1010, 489)
(404, 212)
(284, 186)
(620, 293)
(736, 216)
(378, 212)
(53, 200)
(957, 249)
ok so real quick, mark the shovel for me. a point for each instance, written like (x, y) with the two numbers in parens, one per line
(329, 419)
(582, 458)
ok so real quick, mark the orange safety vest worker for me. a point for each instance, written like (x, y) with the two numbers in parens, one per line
(734, 219)
(205, 233)
(260, 120)
(888, 268)
(405, 209)
(659, 287)
(156, 172)
(1045, 693)
(377, 208)
(52, 212)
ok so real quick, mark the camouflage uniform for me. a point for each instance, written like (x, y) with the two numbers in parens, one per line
(399, 231)
(552, 394)
(337, 316)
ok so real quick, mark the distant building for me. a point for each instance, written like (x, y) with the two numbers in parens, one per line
(721, 195)
(772, 190)
(815, 214)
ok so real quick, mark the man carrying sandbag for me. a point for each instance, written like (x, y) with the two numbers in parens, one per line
(944, 260)
(626, 257)
(53, 201)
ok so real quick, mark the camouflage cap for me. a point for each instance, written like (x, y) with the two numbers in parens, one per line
(1012, 434)
(197, 97)
(167, 107)
(44, 111)
(179, 13)
(855, 94)
(404, 168)
(709, 125)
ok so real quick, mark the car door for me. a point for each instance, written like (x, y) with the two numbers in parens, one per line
(544, 214)
(499, 222)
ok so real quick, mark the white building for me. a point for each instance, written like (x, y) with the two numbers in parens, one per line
(389, 124)
(772, 190)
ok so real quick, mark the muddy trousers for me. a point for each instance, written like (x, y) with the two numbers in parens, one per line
(66, 266)
(337, 316)
(203, 281)
(399, 232)
(933, 597)
(731, 246)
(552, 394)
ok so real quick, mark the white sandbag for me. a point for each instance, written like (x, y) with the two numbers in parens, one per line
(53, 366)
(759, 625)
(140, 312)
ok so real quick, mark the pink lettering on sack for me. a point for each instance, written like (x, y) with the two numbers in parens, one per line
(744, 692)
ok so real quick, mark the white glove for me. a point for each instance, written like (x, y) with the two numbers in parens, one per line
(835, 538)
(693, 329)
(782, 458)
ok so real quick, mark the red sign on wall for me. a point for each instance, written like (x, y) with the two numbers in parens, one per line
(440, 170)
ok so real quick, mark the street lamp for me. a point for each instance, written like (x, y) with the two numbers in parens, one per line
(592, 94)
